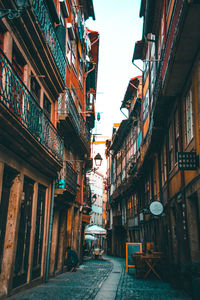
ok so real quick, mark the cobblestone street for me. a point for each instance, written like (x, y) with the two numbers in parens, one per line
(101, 279)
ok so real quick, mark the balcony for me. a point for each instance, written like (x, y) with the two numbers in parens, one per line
(42, 14)
(72, 124)
(42, 42)
(178, 54)
(85, 134)
(67, 184)
(21, 111)
(68, 113)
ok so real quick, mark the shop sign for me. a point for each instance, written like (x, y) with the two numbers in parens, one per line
(156, 208)
(187, 161)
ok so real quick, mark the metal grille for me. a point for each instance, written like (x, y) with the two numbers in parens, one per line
(18, 99)
(43, 18)
(71, 178)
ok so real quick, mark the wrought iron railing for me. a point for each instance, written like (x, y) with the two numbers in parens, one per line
(172, 35)
(71, 178)
(18, 99)
(167, 51)
(41, 12)
(85, 134)
(70, 108)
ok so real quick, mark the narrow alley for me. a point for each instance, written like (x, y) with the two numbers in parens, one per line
(98, 280)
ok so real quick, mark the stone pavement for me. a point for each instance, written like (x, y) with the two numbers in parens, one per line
(82, 284)
(101, 280)
(130, 288)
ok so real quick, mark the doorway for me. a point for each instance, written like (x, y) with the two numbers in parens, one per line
(23, 241)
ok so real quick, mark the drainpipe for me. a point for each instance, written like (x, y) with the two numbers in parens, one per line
(50, 232)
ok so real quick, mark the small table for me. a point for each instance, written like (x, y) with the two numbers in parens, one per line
(151, 261)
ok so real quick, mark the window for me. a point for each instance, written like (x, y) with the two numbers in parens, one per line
(47, 106)
(161, 34)
(170, 147)
(69, 50)
(79, 107)
(176, 134)
(146, 191)
(163, 165)
(189, 117)
(146, 105)
(18, 61)
(153, 66)
(74, 55)
(1, 38)
(73, 93)
(35, 88)
(80, 77)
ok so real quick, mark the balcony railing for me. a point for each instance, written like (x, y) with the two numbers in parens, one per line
(71, 110)
(172, 35)
(85, 134)
(71, 178)
(41, 12)
(18, 99)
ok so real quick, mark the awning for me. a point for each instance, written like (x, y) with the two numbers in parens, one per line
(89, 237)
(132, 87)
(94, 229)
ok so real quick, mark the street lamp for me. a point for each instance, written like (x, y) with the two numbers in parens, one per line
(98, 159)
(14, 13)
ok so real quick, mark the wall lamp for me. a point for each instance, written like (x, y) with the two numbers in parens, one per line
(98, 161)
(14, 13)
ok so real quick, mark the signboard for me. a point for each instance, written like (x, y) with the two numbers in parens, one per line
(131, 248)
(187, 161)
(156, 208)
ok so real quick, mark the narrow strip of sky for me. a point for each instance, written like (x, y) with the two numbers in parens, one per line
(119, 26)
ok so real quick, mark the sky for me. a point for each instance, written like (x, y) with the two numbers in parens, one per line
(119, 26)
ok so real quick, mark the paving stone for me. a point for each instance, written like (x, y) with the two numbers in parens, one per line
(90, 277)
(152, 289)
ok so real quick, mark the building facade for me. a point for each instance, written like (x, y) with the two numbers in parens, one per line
(48, 75)
(166, 168)
(96, 186)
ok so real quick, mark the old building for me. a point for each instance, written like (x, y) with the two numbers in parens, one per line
(166, 169)
(96, 186)
(122, 154)
(47, 103)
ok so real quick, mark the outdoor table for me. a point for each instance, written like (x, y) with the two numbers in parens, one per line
(151, 261)
(139, 265)
(146, 263)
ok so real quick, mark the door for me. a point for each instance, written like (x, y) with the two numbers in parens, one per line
(8, 177)
(23, 241)
(39, 232)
